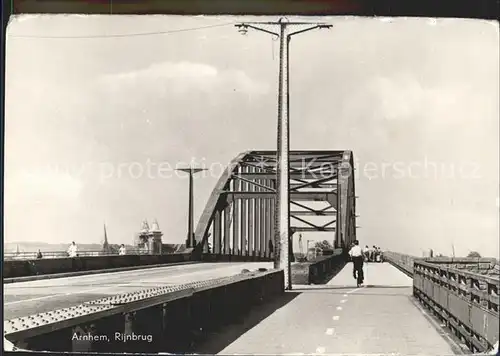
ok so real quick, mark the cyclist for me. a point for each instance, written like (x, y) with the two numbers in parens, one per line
(357, 256)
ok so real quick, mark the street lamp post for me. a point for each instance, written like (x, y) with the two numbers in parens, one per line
(282, 226)
(191, 171)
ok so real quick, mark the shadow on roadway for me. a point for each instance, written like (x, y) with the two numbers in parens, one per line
(332, 275)
(219, 340)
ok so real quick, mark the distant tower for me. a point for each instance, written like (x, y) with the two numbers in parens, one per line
(145, 226)
(155, 238)
(106, 249)
(142, 241)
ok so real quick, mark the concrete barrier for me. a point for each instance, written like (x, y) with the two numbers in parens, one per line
(318, 271)
(165, 319)
(24, 268)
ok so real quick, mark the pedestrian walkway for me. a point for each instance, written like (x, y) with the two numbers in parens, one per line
(338, 318)
(376, 275)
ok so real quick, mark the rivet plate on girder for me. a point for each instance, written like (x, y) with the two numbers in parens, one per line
(91, 307)
(41, 319)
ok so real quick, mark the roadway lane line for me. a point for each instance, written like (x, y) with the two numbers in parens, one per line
(109, 287)
(331, 331)
(336, 317)
(355, 290)
(76, 281)
(80, 279)
(91, 272)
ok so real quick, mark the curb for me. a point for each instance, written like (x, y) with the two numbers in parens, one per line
(97, 271)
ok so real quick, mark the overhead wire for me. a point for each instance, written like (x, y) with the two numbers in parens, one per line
(155, 33)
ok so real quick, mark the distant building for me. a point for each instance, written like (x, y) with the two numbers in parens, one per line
(106, 248)
(148, 240)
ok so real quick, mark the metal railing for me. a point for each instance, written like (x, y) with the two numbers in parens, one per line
(465, 302)
(461, 292)
(63, 254)
(401, 261)
(481, 265)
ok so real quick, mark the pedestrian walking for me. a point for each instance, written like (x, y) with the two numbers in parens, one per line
(73, 250)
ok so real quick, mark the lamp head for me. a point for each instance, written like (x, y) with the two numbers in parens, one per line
(190, 170)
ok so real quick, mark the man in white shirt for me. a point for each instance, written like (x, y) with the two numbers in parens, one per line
(357, 257)
(73, 250)
(369, 252)
(366, 252)
(123, 250)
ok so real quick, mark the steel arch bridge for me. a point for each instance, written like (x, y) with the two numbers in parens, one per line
(239, 218)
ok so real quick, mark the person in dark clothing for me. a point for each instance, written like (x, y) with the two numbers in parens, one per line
(39, 254)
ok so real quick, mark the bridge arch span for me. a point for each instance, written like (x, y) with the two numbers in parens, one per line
(239, 217)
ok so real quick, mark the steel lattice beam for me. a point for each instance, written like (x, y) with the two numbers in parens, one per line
(239, 216)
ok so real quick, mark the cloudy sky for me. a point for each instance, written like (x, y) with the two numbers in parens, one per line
(92, 99)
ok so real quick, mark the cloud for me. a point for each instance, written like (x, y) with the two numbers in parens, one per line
(397, 99)
(180, 70)
(165, 107)
(386, 98)
(403, 97)
(41, 185)
(183, 77)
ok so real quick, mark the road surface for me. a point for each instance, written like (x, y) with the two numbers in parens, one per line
(27, 298)
(338, 318)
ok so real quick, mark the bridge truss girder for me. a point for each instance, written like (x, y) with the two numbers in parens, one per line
(239, 217)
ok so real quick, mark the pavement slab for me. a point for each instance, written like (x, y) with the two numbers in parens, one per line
(339, 318)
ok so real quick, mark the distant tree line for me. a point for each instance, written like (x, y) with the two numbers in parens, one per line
(323, 245)
(472, 254)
